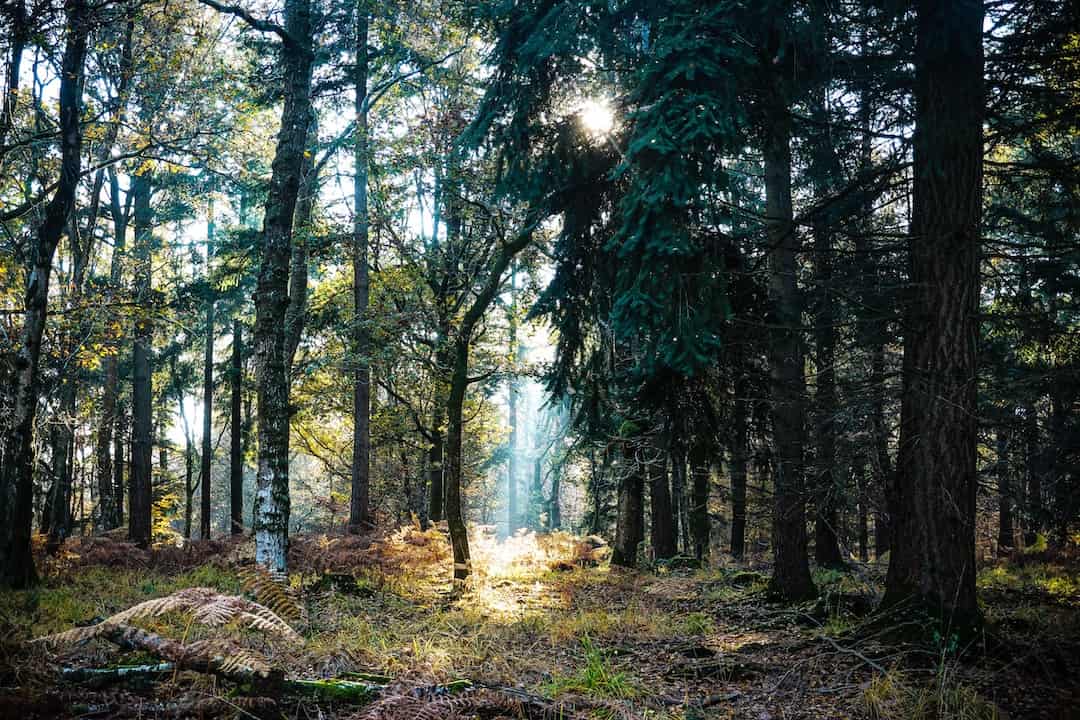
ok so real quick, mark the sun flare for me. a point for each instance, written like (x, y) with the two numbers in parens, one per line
(596, 116)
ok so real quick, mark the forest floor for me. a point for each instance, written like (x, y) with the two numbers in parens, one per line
(553, 638)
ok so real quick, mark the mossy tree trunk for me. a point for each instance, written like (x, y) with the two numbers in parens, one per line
(271, 509)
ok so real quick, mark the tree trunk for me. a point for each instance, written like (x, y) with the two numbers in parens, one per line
(17, 484)
(554, 507)
(512, 512)
(140, 493)
(271, 510)
(119, 460)
(630, 522)
(1033, 468)
(1005, 516)
(236, 434)
(459, 539)
(19, 34)
(111, 506)
(828, 492)
(883, 462)
(662, 517)
(873, 331)
(296, 314)
(859, 470)
(59, 525)
(359, 500)
(207, 457)
(54, 481)
(459, 380)
(740, 444)
(677, 453)
(932, 560)
(791, 574)
(189, 462)
(596, 473)
(1063, 472)
(701, 472)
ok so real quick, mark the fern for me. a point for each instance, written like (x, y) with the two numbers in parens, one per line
(204, 606)
(483, 703)
(272, 590)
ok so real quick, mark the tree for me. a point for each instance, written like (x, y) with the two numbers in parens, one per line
(791, 573)
(932, 559)
(271, 511)
(206, 455)
(359, 503)
(140, 492)
(16, 484)
(506, 250)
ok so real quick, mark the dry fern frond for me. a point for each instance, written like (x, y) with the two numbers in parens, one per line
(483, 702)
(271, 590)
(78, 634)
(205, 606)
(229, 657)
(244, 660)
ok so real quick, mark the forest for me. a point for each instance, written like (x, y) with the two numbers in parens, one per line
(584, 359)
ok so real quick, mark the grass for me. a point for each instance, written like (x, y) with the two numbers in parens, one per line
(1049, 579)
(893, 696)
(596, 678)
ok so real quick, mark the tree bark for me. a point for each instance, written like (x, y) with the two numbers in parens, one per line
(59, 526)
(883, 462)
(932, 560)
(140, 492)
(630, 522)
(828, 492)
(296, 314)
(359, 499)
(455, 520)
(1033, 468)
(271, 511)
(236, 434)
(554, 502)
(859, 470)
(119, 461)
(740, 443)
(17, 484)
(662, 516)
(700, 472)
(677, 454)
(791, 574)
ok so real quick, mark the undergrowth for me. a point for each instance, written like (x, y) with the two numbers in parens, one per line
(596, 678)
(378, 605)
(894, 696)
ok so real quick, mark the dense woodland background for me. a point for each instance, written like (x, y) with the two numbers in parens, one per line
(789, 283)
